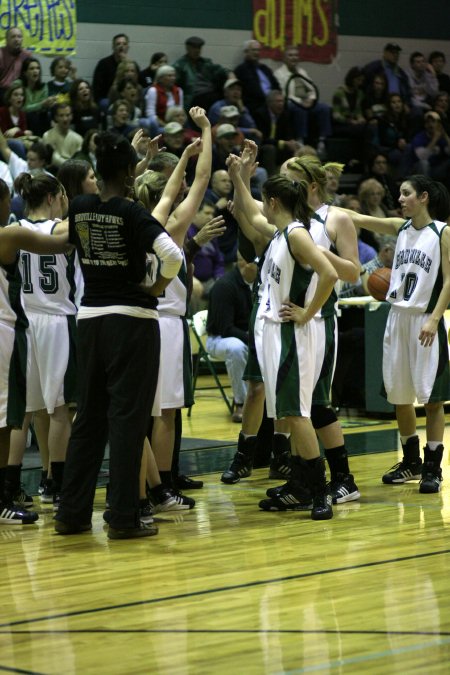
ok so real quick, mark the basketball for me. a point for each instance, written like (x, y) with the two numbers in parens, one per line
(378, 283)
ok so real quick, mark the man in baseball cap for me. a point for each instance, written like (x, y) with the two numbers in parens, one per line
(194, 41)
(397, 79)
(200, 79)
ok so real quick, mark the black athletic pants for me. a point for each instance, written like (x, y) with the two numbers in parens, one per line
(118, 361)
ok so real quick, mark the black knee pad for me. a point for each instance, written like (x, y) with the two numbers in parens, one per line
(321, 416)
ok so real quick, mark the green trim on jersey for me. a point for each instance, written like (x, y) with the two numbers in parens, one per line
(287, 390)
(301, 278)
(322, 390)
(187, 366)
(441, 387)
(252, 371)
(17, 382)
(438, 284)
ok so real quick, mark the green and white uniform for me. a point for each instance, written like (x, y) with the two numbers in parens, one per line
(411, 371)
(325, 319)
(48, 297)
(13, 349)
(286, 351)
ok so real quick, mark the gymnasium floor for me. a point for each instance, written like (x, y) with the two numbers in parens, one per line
(228, 588)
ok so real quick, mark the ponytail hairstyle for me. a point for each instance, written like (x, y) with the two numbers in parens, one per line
(311, 170)
(148, 188)
(34, 188)
(115, 155)
(292, 195)
(438, 197)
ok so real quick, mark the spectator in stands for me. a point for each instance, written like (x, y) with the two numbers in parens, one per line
(105, 69)
(121, 118)
(371, 194)
(128, 90)
(173, 138)
(230, 304)
(437, 60)
(256, 78)
(422, 81)
(37, 100)
(12, 55)
(59, 85)
(126, 69)
(376, 100)
(147, 75)
(441, 106)
(366, 251)
(395, 133)
(64, 141)
(178, 114)
(379, 169)
(229, 114)
(87, 152)
(86, 113)
(312, 112)
(160, 97)
(209, 263)
(277, 123)
(13, 121)
(348, 114)
(200, 79)
(431, 148)
(232, 96)
(220, 193)
(226, 141)
(396, 77)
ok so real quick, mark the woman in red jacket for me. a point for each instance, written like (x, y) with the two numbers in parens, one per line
(161, 96)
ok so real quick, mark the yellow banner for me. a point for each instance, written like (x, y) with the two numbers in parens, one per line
(49, 26)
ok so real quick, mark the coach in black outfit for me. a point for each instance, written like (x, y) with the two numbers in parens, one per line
(118, 342)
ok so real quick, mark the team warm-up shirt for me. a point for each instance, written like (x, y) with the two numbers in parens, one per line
(416, 277)
(112, 239)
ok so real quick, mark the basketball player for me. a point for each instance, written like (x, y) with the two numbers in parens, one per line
(415, 349)
(333, 231)
(288, 336)
(13, 325)
(48, 292)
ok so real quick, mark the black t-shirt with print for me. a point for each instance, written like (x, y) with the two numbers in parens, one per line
(112, 239)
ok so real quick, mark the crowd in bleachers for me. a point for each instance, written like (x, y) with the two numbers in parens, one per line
(182, 122)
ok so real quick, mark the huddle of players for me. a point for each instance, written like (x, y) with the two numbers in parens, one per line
(295, 318)
(415, 353)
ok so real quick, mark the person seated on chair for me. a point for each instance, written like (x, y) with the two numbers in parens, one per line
(230, 304)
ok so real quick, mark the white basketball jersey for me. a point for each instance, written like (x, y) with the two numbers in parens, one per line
(416, 278)
(319, 234)
(48, 284)
(282, 276)
(173, 301)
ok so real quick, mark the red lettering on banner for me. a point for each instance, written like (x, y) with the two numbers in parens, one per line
(310, 24)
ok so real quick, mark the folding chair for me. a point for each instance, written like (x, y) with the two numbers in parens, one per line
(198, 345)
